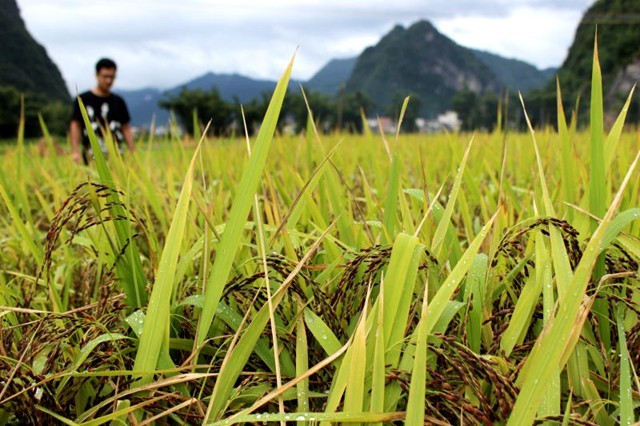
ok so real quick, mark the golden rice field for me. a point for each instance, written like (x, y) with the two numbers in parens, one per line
(475, 279)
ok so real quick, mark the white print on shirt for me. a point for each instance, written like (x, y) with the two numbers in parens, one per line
(114, 126)
(104, 111)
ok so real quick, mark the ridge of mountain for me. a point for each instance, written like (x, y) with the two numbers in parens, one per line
(494, 71)
(515, 74)
(26, 66)
(618, 52)
(419, 61)
(332, 77)
(24, 63)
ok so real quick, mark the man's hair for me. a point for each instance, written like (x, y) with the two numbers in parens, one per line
(105, 63)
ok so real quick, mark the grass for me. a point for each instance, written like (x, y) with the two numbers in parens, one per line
(441, 279)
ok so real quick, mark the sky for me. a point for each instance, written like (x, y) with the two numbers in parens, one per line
(164, 43)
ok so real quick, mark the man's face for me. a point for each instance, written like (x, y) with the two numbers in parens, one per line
(105, 78)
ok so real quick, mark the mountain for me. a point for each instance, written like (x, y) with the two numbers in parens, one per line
(230, 86)
(143, 104)
(421, 61)
(515, 74)
(417, 60)
(332, 76)
(24, 64)
(618, 52)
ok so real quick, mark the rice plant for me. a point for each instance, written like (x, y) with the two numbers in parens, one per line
(487, 278)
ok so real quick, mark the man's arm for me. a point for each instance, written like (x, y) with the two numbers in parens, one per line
(128, 136)
(75, 134)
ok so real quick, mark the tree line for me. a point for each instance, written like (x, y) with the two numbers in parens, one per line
(55, 113)
(341, 112)
(329, 112)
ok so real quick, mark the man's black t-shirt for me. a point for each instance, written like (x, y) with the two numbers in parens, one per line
(109, 112)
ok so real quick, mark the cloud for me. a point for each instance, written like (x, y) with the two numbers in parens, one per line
(538, 35)
(164, 43)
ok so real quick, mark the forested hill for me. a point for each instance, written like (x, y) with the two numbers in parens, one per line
(517, 75)
(24, 64)
(421, 61)
(618, 28)
(332, 77)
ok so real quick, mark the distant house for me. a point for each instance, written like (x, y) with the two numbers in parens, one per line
(447, 121)
(386, 124)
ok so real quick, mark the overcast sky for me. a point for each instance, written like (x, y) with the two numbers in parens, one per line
(163, 43)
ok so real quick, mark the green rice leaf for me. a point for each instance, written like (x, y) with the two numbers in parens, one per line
(50, 145)
(626, 400)
(378, 375)
(597, 182)
(474, 294)
(443, 224)
(567, 164)
(522, 315)
(234, 320)
(557, 340)
(620, 222)
(613, 138)
(321, 331)
(56, 416)
(351, 417)
(302, 361)
(355, 390)
(398, 291)
(231, 239)
(155, 331)
(237, 357)
(439, 302)
(128, 265)
(84, 353)
(417, 388)
(35, 249)
(391, 200)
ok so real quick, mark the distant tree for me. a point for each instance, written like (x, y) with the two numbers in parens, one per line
(254, 111)
(209, 105)
(55, 113)
(410, 115)
(56, 117)
(350, 105)
(24, 64)
(618, 34)
(489, 110)
(9, 112)
(322, 106)
(466, 105)
(542, 107)
(224, 114)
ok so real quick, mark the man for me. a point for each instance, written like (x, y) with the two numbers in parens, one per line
(107, 113)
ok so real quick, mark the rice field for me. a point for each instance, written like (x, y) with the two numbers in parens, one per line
(477, 279)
